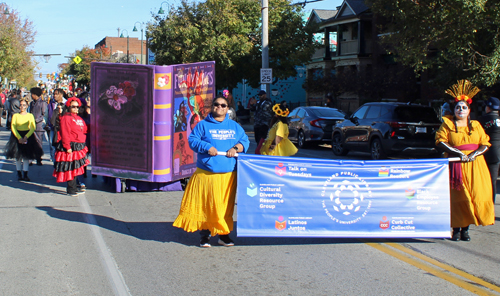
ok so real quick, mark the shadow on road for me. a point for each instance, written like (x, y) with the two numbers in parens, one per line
(166, 232)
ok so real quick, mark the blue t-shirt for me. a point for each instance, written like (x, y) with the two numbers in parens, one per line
(223, 136)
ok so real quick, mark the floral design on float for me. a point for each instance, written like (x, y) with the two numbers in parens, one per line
(118, 96)
(163, 80)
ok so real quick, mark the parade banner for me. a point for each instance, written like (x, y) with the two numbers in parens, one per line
(303, 197)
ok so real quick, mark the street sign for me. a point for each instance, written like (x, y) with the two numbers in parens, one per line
(77, 60)
(266, 75)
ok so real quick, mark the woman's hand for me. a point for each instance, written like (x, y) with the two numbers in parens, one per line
(231, 152)
(212, 151)
(69, 151)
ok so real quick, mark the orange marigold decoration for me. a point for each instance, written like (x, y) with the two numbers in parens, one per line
(463, 90)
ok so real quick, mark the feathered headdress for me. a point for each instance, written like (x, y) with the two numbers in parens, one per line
(279, 112)
(463, 90)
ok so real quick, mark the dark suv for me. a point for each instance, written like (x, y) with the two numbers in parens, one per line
(385, 129)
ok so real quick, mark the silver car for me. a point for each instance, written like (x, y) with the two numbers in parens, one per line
(313, 124)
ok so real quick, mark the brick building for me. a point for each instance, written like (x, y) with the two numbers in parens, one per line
(118, 47)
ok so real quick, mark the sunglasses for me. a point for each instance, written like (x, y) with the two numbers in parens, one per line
(74, 107)
(222, 105)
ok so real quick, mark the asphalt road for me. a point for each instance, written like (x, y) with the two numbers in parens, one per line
(105, 243)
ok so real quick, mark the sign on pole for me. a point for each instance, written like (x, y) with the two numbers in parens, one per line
(77, 60)
(266, 75)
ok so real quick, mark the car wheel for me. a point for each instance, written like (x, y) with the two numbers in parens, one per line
(377, 152)
(338, 146)
(301, 140)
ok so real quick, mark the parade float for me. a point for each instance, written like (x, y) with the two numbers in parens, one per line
(142, 116)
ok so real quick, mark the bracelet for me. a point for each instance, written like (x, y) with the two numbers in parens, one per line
(235, 148)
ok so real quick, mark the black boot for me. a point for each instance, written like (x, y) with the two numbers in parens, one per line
(456, 234)
(464, 234)
(19, 176)
(25, 176)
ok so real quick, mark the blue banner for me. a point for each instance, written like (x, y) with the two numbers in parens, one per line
(305, 197)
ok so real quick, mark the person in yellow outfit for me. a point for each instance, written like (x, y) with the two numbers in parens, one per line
(22, 144)
(471, 190)
(277, 142)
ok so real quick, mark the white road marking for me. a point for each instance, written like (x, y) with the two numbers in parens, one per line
(114, 275)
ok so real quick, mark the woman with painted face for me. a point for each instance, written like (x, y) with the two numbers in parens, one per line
(471, 191)
(208, 201)
(71, 151)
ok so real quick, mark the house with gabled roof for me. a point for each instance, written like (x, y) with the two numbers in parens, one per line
(348, 41)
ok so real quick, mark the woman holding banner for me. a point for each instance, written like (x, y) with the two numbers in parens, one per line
(471, 191)
(277, 142)
(208, 201)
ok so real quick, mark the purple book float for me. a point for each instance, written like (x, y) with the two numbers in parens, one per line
(141, 119)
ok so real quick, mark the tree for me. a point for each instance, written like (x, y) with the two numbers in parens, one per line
(450, 40)
(229, 32)
(16, 39)
(81, 71)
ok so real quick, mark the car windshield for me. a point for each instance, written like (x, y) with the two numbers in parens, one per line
(327, 112)
(416, 114)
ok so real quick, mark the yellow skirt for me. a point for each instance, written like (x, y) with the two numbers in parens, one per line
(284, 148)
(208, 203)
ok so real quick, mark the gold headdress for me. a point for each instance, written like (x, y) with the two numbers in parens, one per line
(463, 90)
(277, 110)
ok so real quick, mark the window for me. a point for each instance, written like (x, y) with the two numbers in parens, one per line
(294, 112)
(373, 112)
(360, 113)
(301, 113)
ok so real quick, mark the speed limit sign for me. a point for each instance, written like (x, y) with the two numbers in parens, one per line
(266, 75)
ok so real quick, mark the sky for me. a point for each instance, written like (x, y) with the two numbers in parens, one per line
(66, 26)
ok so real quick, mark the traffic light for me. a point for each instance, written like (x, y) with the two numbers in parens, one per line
(48, 76)
(40, 75)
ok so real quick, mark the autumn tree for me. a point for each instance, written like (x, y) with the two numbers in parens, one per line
(81, 71)
(16, 39)
(449, 39)
(229, 33)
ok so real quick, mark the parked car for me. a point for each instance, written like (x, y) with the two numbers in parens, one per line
(386, 129)
(313, 124)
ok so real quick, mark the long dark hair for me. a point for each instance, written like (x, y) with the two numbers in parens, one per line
(468, 117)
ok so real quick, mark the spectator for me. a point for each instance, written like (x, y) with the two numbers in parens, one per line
(39, 109)
(491, 125)
(262, 117)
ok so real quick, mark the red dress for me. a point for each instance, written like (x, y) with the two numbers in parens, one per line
(71, 136)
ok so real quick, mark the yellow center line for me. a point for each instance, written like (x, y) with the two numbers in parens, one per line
(430, 269)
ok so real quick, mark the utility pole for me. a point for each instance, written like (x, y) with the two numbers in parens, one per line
(265, 39)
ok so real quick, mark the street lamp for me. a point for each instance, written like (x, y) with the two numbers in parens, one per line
(142, 30)
(121, 36)
(161, 11)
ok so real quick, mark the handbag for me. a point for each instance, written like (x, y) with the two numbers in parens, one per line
(261, 142)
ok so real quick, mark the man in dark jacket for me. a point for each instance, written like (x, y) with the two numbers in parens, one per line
(491, 125)
(14, 107)
(38, 108)
(262, 117)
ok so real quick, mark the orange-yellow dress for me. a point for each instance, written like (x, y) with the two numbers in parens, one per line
(472, 204)
(208, 203)
(285, 147)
